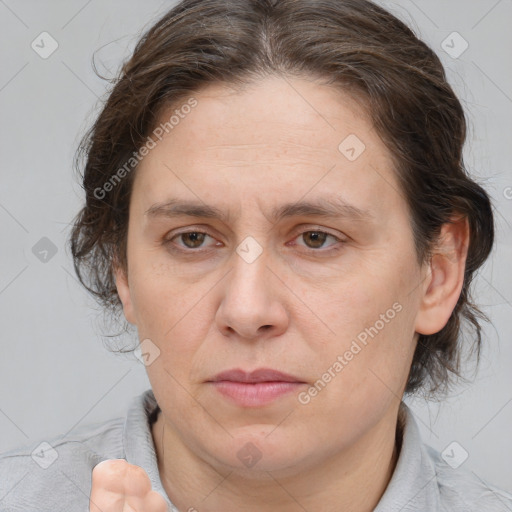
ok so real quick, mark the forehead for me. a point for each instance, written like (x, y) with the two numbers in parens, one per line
(284, 115)
(276, 136)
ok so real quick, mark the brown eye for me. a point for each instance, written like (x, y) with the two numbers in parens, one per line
(314, 242)
(315, 238)
(192, 239)
(193, 242)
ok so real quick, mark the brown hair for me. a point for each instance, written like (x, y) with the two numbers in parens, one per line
(354, 45)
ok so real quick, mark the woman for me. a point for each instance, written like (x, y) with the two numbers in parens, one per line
(276, 199)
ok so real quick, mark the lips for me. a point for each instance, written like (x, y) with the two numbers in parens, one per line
(255, 389)
(259, 375)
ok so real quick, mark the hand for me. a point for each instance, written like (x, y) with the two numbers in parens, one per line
(118, 486)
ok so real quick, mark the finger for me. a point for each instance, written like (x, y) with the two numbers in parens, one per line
(110, 475)
(116, 483)
(155, 503)
(118, 476)
(106, 501)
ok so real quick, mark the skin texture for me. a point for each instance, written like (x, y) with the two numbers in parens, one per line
(295, 308)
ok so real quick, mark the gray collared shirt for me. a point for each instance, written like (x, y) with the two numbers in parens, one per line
(56, 475)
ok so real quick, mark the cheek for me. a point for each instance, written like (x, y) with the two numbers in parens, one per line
(373, 321)
(158, 297)
(356, 300)
(169, 310)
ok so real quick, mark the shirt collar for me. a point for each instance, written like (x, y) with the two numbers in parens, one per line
(413, 485)
(138, 440)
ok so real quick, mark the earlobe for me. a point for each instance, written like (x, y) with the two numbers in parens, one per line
(445, 277)
(123, 290)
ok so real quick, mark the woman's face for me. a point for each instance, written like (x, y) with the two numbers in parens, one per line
(332, 300)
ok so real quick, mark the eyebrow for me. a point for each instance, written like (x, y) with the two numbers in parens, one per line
(322, 207)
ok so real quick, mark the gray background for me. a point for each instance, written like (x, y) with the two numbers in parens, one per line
(54, 370)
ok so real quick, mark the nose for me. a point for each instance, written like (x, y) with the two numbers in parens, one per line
(252, 305)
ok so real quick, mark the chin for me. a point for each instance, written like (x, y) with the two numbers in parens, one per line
(254, 451)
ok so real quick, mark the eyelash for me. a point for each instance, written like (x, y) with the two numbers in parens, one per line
(169, 242)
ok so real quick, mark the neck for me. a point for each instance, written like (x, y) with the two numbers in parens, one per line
(353, 480)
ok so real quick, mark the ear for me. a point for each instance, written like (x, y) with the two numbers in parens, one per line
(445, 277)
(123, 290)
